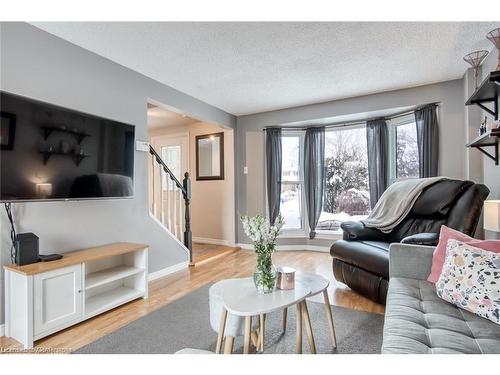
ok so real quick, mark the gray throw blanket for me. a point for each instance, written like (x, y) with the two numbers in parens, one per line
(396, 202)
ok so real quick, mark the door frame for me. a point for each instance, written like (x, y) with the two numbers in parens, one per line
(156, 139)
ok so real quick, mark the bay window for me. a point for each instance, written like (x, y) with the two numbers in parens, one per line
(346, 194)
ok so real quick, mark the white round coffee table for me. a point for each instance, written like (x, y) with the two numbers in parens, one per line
(240, 298)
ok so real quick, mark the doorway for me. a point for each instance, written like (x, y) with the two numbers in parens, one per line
(173, 136)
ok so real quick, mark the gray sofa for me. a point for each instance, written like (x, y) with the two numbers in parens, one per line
(418, 321)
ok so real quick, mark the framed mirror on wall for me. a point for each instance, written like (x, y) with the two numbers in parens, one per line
(210, 156)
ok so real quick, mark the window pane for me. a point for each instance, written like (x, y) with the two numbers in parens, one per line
(291, 158)
(406, 151)
(290, 205)
(346, 194)
(171, 155)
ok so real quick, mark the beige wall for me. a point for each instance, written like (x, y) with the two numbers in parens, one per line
(212, 202)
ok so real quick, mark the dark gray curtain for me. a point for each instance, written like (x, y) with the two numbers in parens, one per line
(273, 170)
(314, 174)
(427, 140)
(378, 157)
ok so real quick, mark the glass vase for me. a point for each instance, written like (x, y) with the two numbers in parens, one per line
(264, 276)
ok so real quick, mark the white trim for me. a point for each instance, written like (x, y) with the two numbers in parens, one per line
(328, 235)
(2, 330)
(167, 271)
(213, 241)
(322, 249)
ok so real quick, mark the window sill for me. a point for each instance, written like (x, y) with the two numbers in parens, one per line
(293, 234)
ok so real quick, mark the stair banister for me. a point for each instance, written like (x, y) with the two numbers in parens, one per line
(184, 192)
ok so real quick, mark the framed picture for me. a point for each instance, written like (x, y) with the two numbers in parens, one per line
(210, 157)
(7, 130)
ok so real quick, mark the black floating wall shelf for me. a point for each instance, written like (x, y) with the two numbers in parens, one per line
(488, 139)
(487, 92)
(49, 129)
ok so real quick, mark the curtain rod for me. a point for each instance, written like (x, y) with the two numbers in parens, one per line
(350, 123)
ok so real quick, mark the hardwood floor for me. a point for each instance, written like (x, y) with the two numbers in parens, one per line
(170, 288)
(203, 253)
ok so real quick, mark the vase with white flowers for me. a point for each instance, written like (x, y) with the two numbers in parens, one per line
(263, 235)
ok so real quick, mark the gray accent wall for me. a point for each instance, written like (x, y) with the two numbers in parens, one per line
(39, 65)
(249, 141)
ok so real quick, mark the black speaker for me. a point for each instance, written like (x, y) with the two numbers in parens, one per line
(26, 248)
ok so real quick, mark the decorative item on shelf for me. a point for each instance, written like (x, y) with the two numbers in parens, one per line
(483, 127)
(286, 278)
(494, 37)
(475, 59)
(263, 235)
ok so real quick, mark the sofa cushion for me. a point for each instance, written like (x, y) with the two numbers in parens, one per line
(440, 252)
(471, 280)
(418, 321)
(372, 256)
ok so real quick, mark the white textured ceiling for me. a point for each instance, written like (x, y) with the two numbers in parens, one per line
(253, 67)
(160, 118)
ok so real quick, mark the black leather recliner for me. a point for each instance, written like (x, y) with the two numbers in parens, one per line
(361, 259)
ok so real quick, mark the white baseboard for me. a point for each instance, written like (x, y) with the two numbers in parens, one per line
(322, 249)
(213, 241)
(167, 271)
(2, 330)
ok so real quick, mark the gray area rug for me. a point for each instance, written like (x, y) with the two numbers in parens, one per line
(184, 323)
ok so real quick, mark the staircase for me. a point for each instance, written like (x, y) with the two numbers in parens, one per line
(170, 201)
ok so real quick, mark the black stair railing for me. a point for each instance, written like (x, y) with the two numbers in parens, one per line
(184, 188)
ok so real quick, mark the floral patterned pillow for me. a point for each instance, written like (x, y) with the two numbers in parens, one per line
(470, 279)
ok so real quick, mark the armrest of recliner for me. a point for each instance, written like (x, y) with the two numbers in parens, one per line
(410, 261)
(356, 231)
(426, 239)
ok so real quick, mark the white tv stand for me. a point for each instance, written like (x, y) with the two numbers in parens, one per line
(46, 297)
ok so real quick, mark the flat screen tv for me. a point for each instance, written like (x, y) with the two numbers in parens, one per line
(53, 153)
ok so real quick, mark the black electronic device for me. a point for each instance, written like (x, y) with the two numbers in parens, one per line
(55, 153)
(50, 257)
(26, 245)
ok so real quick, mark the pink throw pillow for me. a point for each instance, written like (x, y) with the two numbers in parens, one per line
(440, 253)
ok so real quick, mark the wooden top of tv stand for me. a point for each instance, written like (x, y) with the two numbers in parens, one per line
(76, 257)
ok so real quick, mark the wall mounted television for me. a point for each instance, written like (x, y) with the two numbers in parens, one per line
(53, 153)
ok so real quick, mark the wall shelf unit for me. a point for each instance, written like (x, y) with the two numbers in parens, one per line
(489, 139)
(45, 297)
(487, 92)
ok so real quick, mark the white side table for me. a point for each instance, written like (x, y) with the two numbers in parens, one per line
(317, 284)
(242, 299)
